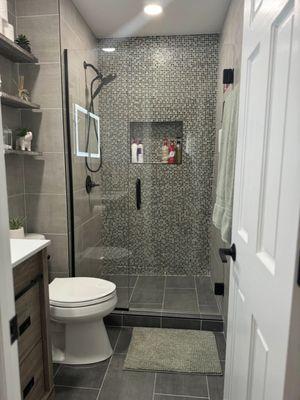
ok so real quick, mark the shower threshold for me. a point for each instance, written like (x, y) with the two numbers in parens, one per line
(166, 301)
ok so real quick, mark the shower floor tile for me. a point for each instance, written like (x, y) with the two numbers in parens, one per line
(179, 295)
(109, 381)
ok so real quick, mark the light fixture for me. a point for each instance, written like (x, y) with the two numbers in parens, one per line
(109, 49)
(153, 9)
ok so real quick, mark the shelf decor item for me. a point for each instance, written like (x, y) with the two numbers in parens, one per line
(23, 42)
(7, 139)
(23, 93)
(16, 228)
(24, 139)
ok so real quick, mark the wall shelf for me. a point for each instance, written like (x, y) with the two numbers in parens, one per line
(14, 52)
(16, 102)
(23, 153)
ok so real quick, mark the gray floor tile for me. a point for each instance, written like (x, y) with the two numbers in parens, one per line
(216, 387)
(82, 376)
(66, 393)
(124, 295)
(180, 282)
(122, 281)
(123, 341)
(221, 345)
(141, 295)
(167, 397)
(181, 300)
(181, 384)
(113, 334)
(146, 306)
(205, 291)
(209, 309)
(150, 282)
(126, 385)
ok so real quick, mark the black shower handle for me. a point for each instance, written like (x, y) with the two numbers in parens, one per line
(224, 252)
(138, 193)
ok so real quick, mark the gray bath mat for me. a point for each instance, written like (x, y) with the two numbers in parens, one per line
(173, 350)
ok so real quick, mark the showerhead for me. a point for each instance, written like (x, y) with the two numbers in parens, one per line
(104, 81)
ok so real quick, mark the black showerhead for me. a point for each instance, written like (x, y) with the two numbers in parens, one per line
(104, 81)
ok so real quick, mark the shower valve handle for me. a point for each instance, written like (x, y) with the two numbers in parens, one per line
(89, 184)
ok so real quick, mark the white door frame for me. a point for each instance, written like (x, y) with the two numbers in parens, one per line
(9, 364)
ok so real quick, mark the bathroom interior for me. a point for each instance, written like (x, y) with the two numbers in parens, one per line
(111, 124)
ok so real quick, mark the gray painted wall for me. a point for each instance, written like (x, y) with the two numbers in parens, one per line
(159, 79)
(37, 186)
(229, 56)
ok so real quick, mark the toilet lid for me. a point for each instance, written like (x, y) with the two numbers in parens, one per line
(76, 292)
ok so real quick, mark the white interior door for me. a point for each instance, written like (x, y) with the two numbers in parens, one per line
(263, 280)
(9, 364)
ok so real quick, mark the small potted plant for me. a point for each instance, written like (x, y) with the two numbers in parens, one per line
(23, 42)
(16, 228)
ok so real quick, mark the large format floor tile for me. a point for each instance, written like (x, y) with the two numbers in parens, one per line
(66, 393)
(109, 381)
(181, 384)
(126, 385)
(182, 300)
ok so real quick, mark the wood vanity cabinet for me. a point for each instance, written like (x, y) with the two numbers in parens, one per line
(32, 309)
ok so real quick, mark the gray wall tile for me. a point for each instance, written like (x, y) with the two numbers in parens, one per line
(36, 7)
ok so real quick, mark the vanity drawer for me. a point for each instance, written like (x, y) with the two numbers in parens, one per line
(29, 320)
(32, 375)
(26, 273)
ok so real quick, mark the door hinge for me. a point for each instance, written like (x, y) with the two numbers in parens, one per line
(13, 326)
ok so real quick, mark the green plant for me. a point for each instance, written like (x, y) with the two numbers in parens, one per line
(22, 132)
(23, 42)
(16, 223)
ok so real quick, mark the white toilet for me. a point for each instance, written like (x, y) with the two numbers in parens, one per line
(77, 308)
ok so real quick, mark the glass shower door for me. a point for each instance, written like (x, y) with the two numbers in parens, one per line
(99, 236)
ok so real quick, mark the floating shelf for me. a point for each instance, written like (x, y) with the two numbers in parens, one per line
(16, 102)
(14, 52)
(23, 153)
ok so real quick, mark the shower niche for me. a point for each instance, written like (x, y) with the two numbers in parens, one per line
(159, 142)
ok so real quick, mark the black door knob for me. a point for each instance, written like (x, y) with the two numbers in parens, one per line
(228, 252)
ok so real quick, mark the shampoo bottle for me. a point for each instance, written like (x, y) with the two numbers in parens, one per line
(140, 152)
(165, 151)
(134, 152)
(171, 159)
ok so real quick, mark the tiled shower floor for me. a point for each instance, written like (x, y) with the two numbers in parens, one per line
(108, 380)
(188, 295)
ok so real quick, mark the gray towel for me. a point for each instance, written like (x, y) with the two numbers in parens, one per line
(222, 214)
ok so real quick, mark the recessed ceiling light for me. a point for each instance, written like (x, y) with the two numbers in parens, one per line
(109, 49)
(153, 9)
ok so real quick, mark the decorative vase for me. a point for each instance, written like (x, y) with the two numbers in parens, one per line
(17, 233)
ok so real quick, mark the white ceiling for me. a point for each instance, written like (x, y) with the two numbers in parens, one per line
(122, 18)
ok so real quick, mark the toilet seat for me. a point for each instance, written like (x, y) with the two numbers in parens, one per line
(80, 292)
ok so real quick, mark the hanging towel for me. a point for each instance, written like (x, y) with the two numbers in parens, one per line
(222, 214)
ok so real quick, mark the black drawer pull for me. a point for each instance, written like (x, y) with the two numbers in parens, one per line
(29, 286)
(24, 326)
(28, 387)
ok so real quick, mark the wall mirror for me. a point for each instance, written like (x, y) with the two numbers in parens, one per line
(87, 133)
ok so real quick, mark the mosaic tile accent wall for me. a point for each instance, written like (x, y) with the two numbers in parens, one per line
(159, 79)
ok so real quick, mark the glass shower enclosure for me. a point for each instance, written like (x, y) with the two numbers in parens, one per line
(138, 203)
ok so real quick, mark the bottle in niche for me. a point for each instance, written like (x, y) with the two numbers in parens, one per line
(171, 159)
(134, 151)
(140, 152)
(165, 151)
(178, 151)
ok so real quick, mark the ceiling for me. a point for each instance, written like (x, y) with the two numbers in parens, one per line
(123, 18)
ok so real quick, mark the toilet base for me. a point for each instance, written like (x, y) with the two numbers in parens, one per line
(80, 343)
